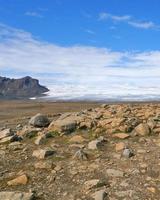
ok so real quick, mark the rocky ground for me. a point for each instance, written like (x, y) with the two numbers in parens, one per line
(111, 152)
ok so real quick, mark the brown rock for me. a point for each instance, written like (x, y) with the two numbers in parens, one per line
(42, 153)
(40, 140)
(66, 125)
(151, 123)
(156, 130)
(142, 129)
(77, 139)
(121, 135)
(21, 180)
(151, 189)
(44, 165)
(100, 195)
(9, 139)
(94, 183)
(120, 146)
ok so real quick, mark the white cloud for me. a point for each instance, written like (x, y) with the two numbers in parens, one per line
(104, 16)
(33, 14)
(79, 70)
(129, 20)
(142, 25)
(90, 31)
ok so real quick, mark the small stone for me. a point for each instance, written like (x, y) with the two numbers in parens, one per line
(151, 189)
(120, 146)
(14, 146)
(40, 140)
(127, 153)
(116, 155)
(126, 193)
(2, 154)
(121, 135)
(9, 139)
(104, 106)
(148, 178)
(58, 168)
(114, 173)
(151, 123)
(156, 130)
(77, 139)
(95, 183)
(6, 133)
(81, 155)
(96, 144)
(21, 180)
(43, 153)
(44, 165)
(100, 195)
(143, 166)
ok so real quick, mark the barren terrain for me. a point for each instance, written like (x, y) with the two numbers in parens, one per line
(17, 111)
(79, 151)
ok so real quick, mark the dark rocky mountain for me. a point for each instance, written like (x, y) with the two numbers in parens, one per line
(20, 88)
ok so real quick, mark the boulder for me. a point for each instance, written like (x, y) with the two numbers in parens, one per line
(142, 129)
(39, 120)
(43, 153)
(66, 125)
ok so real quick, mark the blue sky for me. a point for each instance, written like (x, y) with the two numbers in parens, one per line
(70, 22)
(85, 47)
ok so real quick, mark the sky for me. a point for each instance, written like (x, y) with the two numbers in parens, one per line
(83, 48)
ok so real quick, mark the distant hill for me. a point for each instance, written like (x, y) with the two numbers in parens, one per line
(20, 88)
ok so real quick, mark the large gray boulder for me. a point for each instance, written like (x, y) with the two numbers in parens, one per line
(39, 120)
(65, 125)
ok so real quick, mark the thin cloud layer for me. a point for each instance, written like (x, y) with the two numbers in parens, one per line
(104, 16)
(143, 25)
(33, 14)
(78, 70)
(129, 20)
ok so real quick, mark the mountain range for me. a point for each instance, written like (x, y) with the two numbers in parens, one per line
(21, 88)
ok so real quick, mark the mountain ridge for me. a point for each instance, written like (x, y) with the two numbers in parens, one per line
(25, 87)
